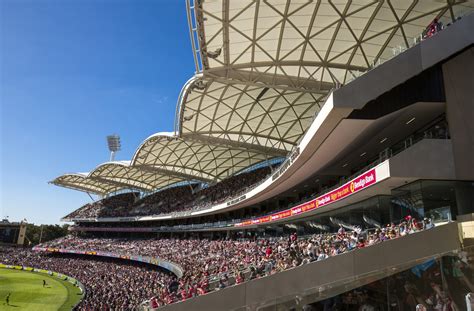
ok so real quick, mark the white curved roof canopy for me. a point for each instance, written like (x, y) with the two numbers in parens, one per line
(131, 177)
(263, 119)
(309, 44)
(193, 160)
(162, 160)
(267, 68)
(113, 176)
(82, 183)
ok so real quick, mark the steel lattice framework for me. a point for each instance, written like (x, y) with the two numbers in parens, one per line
(193, 160)
(263, 70)
(305, 43)
(113, 176)
(81, 182)
(263, 119)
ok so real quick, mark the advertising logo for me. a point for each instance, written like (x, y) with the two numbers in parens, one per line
(357, 184)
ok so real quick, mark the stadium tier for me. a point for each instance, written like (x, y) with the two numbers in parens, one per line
(321, 159)
(110, 284)
(96, 209)
(170, 200)
(215, 264)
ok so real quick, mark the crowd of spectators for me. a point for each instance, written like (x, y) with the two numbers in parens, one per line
(89, 210)
(165, 201)
(110, 284)
(96, 209)
(216, 264)
(228, 188)
(171, 200)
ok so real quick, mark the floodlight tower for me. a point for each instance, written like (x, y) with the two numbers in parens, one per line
(113, 141)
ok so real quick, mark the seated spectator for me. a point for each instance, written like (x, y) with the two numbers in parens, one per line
(173, 199)
(215, 264)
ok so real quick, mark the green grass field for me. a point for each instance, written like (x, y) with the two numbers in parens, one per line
(27, 292)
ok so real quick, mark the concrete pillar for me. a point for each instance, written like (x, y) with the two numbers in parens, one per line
(464, 198)
(21, 234)
(458, 75)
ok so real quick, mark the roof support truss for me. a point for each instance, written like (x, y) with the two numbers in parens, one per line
(130, 185)
(272, 152)
(175, 173)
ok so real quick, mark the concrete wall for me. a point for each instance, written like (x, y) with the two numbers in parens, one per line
(427, 159)
(458, 76)
(356, 268)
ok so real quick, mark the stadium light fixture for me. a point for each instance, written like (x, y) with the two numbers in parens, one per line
(113, 141)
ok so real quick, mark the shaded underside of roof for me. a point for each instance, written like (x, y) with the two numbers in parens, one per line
(193, 159)
(114, 176)
(264, 119)
(82, 183)
(267, 66)
(310, 43)
(163, 160)
(132, 177)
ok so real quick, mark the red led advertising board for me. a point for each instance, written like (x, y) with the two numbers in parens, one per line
(360, 182)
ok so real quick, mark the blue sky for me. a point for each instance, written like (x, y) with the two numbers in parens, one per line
(72, 72)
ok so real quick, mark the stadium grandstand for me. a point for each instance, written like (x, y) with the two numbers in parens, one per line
(321, 159)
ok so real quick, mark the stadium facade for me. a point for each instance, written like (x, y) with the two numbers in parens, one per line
(12, 232)
(306, 117)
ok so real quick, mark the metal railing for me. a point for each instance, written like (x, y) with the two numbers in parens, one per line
(193, 34)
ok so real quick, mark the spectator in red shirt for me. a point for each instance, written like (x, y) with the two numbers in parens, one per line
(239, 278)
(201, 291)
(268, 251)
(293, 237)
(154, 303)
